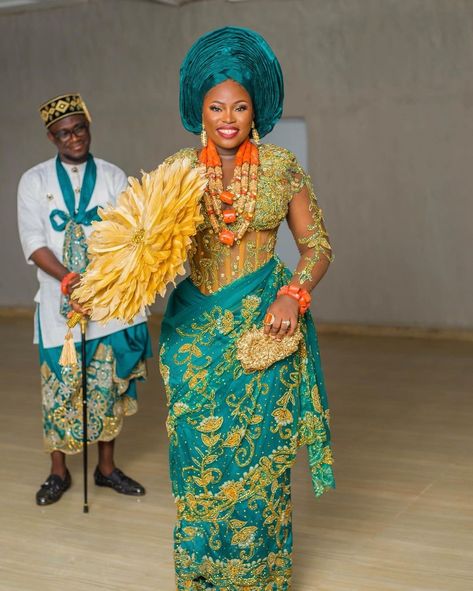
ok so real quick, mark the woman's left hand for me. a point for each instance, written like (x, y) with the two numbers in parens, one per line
(284, 314)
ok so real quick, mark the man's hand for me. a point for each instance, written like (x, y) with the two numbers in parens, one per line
(77, 307)
(73, 283)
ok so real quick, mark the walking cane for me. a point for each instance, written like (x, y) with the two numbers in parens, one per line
(69, 358)
(83, 328)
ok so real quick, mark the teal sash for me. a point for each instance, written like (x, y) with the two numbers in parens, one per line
(74, 254)
(82, 215)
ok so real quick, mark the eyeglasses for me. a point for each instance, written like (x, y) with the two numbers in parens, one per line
(64, 135)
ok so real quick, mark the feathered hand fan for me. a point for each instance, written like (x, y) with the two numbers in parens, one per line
(140, 245)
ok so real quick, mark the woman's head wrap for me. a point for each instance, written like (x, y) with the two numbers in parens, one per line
(237, 54)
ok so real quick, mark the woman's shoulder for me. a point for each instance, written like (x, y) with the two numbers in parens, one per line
(184, 153)
(278, 159)
(270, 153)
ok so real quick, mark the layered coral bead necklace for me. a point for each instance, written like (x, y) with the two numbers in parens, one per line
(241, 203)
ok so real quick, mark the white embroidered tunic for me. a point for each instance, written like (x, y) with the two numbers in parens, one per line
(39, 194)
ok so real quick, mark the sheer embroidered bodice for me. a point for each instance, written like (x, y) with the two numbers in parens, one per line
(284, 191)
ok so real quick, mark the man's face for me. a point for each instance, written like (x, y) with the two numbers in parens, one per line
(71, 136)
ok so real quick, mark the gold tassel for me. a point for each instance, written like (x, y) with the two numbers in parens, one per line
(68, 354)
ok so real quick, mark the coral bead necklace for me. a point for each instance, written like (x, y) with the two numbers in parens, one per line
(241, 202)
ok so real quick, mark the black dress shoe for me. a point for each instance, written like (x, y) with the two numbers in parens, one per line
(120, 482)
(52, 490)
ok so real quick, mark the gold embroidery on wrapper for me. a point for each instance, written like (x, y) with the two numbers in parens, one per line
(233, 574)
(107, 404)
(214, 501)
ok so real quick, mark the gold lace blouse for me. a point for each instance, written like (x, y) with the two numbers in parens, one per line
(284, 190)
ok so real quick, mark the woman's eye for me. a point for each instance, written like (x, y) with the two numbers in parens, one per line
(242, 108)
(215, 108)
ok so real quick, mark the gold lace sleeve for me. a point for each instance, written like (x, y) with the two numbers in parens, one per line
(306, 222)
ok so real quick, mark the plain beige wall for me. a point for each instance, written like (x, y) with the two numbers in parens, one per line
(385, 87)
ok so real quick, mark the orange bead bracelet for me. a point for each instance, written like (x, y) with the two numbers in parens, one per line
(66, 280)
(301, 295)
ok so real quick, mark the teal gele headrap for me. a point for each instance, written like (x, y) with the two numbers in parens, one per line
(238, 54)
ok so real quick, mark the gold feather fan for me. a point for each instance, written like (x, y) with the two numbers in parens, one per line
(140, 245)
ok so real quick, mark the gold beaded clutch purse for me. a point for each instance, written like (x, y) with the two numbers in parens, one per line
(256, 351)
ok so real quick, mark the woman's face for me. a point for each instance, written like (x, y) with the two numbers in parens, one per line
(227, 114)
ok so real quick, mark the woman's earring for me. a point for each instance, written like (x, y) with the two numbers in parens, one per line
(255, 134)
(203, 136)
